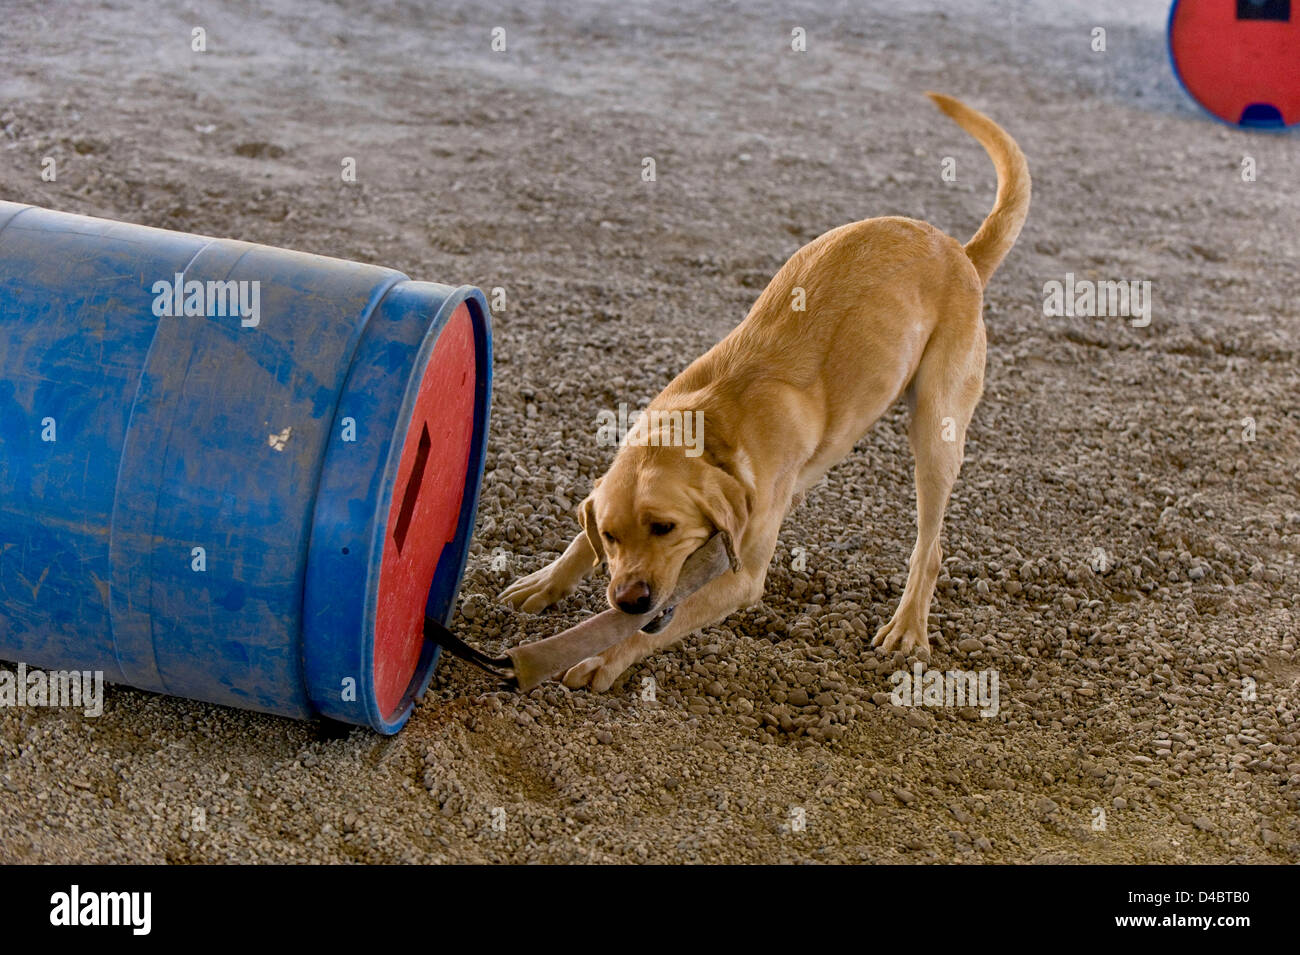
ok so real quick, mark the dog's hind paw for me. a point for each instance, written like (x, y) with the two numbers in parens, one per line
(907, 636)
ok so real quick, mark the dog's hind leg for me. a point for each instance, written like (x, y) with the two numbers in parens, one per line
(943, 395)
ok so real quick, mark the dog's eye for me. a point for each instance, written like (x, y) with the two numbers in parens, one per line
(659, 529)
(609, 537)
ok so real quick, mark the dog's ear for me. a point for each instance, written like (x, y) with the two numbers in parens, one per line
(587, 518)
(726, 503)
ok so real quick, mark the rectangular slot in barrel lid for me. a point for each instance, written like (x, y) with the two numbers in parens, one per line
(412, 489)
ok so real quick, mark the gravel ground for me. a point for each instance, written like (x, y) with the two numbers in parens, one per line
(1116, 549)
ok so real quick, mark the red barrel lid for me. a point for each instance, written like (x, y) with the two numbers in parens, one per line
(426, 506)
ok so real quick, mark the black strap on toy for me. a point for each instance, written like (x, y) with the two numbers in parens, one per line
(502, 667)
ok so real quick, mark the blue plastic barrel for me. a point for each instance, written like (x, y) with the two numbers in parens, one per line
(232, 472)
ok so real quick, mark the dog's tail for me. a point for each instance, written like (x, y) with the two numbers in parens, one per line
(989, 246)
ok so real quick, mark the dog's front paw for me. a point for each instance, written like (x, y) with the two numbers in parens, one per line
(904, 634)
(539, 590)
(595, 672)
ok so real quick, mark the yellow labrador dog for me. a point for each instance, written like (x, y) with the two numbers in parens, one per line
(892, 308)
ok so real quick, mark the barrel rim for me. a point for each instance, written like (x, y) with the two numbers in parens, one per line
(326, 658)
(471, 297)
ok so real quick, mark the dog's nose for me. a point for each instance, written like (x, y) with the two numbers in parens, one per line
(633, 598)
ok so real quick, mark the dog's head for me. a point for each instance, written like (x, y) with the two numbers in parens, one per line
(651, 511)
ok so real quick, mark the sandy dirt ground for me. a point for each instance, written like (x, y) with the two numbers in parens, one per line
(1119, 550)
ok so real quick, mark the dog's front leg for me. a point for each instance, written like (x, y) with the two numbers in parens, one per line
(555, 581)
(706, 606)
